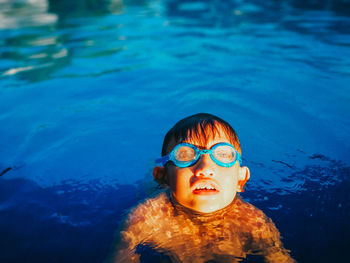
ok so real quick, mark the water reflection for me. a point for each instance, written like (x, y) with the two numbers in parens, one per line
(48, 39)
(32, 53)
(19, 14)
(44, 43)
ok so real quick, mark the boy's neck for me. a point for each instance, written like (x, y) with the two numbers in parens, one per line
(196, 215)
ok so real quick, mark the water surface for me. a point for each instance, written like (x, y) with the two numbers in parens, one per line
(89, 89)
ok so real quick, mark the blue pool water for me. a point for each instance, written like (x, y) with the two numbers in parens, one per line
(88, 90)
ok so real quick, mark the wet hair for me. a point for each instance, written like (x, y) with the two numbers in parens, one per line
(200, 127)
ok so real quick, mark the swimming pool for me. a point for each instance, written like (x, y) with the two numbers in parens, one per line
(89, 89)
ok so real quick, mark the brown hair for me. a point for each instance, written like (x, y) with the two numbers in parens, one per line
(197, 127)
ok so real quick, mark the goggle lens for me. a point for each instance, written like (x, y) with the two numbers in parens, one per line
(224, 153)
(185, 154)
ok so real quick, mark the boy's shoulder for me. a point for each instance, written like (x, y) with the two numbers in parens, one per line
(151, 210)
(246, 208)
(256, 221)
(251, 216)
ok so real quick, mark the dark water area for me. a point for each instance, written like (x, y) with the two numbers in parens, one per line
(40, 224)
(88, 90)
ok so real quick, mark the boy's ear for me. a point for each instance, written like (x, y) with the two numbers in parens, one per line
(243, 177)
(159, 175)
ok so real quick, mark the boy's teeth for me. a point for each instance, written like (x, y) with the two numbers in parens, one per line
(206, 188)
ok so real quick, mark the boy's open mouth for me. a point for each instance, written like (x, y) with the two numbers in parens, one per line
(205, 187)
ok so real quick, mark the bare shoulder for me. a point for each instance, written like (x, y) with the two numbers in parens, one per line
(139, 226)
(151, 210)
(249, 211)
(264, 233)
(260, 225)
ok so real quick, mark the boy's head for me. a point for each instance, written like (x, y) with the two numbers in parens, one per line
(200, 128)
(207, 184)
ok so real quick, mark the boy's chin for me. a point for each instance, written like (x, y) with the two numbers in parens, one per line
(206, 208)
(208, 205)
(205, 203)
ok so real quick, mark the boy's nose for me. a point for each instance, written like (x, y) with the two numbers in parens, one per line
(204, 167)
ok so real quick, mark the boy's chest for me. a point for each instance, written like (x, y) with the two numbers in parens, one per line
(185, 240)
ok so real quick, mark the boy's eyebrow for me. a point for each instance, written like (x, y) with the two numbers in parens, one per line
(197, 145)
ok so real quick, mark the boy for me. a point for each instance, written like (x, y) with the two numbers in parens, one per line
(200, 218)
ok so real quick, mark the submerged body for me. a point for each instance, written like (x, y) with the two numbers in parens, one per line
(226, 235)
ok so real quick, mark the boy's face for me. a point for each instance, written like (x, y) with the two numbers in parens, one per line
(188, 184)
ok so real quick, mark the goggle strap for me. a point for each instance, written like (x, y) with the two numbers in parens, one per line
(239, 158)
(163, 160)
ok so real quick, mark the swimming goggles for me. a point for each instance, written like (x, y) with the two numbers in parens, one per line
(185, 155)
